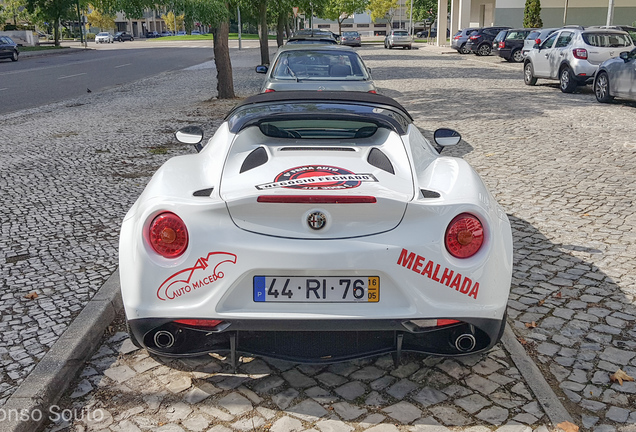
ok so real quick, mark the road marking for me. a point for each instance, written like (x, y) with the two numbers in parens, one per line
(127, 64)
(71, 76)
(4, 89)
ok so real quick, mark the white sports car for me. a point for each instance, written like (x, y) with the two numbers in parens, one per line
(316, 227)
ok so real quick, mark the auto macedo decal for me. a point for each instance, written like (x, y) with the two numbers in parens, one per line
(313, 177)
(204, 273)
(462, 284)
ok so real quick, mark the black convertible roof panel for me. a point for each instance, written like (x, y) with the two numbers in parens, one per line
(322, 96)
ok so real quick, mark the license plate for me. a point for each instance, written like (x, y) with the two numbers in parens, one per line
(331, 289)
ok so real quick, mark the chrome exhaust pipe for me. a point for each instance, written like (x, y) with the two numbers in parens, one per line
(164, 339)
(465, 342)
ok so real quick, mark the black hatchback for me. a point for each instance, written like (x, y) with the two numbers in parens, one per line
(509, 44)
(8, 48)
(480, 41)
(123, 36)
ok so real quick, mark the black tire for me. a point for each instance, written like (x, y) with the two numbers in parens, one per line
(528, 74)
(14, 56)
(463, 49)
(601, 88)
(390, 46)
(409, 47)
(517, 56)
(567, 82)
(484, 50)
(133, 339)
(132, 39)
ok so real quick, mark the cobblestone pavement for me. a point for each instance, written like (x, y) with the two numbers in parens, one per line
(68, 175)
(562, 166)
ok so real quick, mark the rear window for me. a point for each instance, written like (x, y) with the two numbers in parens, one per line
(533, 35)
(500, 36)
(316, 129)
(607, 40)
(350, 33)
(400, 33)
(517, 35)
(315, 64)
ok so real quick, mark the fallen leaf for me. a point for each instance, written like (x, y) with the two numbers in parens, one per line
(541, 302)
(531, 325)
(620, 376)
(568, 427)
(522, 341)
(32, 295)
(586, 214)
(490, 154)
(558, 295)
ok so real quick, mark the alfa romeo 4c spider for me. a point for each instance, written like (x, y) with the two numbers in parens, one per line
(316, 227)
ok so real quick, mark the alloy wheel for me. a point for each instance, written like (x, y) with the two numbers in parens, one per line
(601, 88)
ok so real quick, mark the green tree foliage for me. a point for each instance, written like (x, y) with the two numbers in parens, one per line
(174, 23)
(54, 11)
(339, 10)
(103, 21)
(424, 10)
(383, 9)
(532, 14)
(14, 11)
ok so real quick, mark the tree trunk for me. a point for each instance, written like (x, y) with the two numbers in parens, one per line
(56, 32)
(262, 30)
(287, 29)
(280, 28)
(224, 81)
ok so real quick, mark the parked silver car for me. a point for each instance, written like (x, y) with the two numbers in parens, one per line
(398, 38)
(616, 77)
(458, 42)
(312, 67)
(572, 55)
(350, 38)
(103, 37)
(535, 37)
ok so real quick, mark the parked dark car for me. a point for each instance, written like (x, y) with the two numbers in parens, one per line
(123, 36)
(424, 33)
(460, 38)
(8, 48)
(509, 44)
(152, 34)
(480, 41)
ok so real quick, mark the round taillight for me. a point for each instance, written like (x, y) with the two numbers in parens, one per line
(168, 235)
(464, 236)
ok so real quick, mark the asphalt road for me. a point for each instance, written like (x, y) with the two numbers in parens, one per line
(39, 80)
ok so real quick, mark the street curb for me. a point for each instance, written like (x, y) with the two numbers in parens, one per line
(543, 392)
(29, 407)
(53, 52)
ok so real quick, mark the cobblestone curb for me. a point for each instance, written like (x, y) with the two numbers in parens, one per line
(51, 377)
(553, 407)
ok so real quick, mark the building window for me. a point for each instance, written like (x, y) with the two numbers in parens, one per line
(324, 25)
(363, 25)
(347, 26)
(379, 25)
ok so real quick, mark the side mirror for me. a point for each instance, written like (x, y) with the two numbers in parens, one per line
(261, 69)
(190, 135)
(446, 137)
(624, 55)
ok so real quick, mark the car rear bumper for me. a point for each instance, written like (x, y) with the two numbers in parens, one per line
(317, 341)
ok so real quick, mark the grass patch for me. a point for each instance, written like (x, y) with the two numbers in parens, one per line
(41, 48)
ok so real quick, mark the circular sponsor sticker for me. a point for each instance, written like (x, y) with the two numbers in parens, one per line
(311, 177)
